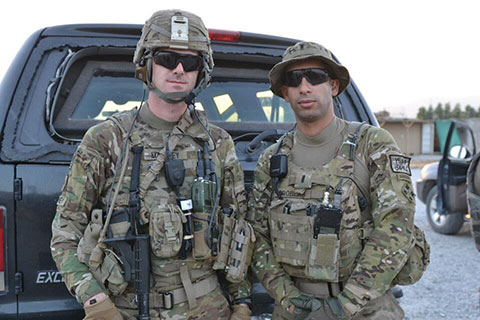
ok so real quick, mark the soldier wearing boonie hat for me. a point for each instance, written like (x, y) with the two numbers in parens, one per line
(332, 204)
(137, 176)
(306, 51)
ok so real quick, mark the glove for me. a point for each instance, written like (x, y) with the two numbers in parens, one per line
(331, 309)
(240, 312)
(304, 305)
(310, 308)
(103, 310)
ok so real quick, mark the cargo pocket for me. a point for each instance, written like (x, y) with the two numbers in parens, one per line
(417, 261)
(166, 230)
(323, 258)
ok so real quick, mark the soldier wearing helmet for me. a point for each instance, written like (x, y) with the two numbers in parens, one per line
(163, 173)
(332, 204)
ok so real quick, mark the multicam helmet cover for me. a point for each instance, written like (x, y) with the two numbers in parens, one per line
(174, 29)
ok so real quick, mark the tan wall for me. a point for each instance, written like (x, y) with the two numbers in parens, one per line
(409, 139)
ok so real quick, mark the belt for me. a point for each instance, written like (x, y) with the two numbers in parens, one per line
(320, 290)
(169, 298)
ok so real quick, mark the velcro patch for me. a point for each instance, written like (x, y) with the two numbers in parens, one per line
(400, 164)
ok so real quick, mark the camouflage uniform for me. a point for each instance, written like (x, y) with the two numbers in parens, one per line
(87, 186)
(373, 244)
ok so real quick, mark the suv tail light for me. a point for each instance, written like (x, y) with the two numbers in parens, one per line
(2, 248)
(224, 35)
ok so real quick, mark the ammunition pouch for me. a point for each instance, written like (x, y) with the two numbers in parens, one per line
(418, 258)
(324, 254)
(90, 237)
(236, 248)
(200, 251)
(225, 242)
(103, 263)
(166, 230)
(324, 258)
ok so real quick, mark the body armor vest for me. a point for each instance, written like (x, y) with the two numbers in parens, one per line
(163, 218)
(342, 185)
(329, 257)
(160, 202)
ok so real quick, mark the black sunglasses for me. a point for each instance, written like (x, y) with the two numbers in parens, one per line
(170, 60)
(313, 75)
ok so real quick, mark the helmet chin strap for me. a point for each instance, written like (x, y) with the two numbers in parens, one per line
(171, 97)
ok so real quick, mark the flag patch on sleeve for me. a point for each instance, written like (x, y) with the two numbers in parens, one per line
(400, 164)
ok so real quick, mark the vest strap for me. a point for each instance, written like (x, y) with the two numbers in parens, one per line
(158, 164)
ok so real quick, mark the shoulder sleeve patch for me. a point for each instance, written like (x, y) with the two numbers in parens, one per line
(400, 164)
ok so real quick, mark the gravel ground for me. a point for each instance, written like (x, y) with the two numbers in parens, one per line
(448, 289)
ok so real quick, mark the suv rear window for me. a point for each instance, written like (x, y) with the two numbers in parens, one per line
(95, 87)
(228, 101)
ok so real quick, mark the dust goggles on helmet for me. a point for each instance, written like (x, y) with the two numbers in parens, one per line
(313, 75)
(170, 60)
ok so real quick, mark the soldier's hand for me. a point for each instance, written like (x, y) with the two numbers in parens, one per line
(331, 309)
(303, 305)
(102, 310)
(240, 312)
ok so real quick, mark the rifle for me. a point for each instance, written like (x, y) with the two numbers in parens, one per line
(134, 251)
(133, 248)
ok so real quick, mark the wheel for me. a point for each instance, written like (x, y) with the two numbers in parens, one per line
(444, 224)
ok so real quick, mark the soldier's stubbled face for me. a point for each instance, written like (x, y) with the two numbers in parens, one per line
(310, 102)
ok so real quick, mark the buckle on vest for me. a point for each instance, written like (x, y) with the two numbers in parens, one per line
(168, 302)
(362, 234)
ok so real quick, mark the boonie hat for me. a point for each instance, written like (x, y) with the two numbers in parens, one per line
(304, 51)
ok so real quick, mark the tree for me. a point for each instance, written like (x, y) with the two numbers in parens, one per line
(470, 112)
(421, 113)
(438, 113)
(429, 113)
(447, 112)
(457, 112)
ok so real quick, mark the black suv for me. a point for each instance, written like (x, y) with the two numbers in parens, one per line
(66, 79)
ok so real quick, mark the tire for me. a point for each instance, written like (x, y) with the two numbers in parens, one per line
(444, 224)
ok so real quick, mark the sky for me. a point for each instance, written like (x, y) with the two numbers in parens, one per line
(401, 54)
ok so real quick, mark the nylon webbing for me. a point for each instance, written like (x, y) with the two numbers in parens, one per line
(291, 236)
(292, 254)
(188, 286)
(157, 165)
(134, 200)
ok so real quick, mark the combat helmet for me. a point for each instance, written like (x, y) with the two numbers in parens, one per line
(175, 29)
(307, 51)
